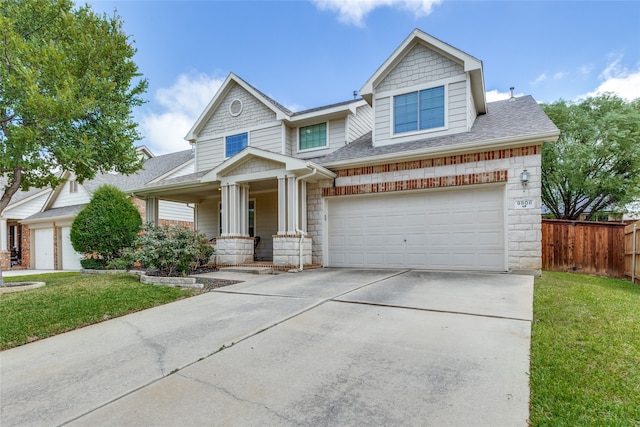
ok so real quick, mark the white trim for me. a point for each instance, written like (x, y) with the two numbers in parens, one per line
(241, 107)
(283, 135)
(172, 171)
(329, 113)
(392, 102)
(25, 200)
(326, 139)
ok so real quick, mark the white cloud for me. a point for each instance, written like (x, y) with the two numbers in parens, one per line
(560, 75)
(354, 11)
(495, 95)
(619, 80)
(542, 77)
(183, 103)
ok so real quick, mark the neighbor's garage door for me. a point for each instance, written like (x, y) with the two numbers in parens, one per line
(70, 258)
(446, 230)
(44, 249)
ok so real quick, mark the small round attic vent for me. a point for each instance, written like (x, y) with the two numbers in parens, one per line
(235, 108)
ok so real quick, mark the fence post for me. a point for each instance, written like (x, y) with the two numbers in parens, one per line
(633, 254)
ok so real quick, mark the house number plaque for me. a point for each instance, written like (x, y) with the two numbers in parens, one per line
(524, 204)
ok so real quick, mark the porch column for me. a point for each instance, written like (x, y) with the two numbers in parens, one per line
(151, 210)
(292, 205)
(232, 209)
(225, 210)
(3, 235)
(282, 205)
(244, 209)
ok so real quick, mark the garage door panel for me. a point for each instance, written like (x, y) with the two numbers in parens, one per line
(463, 228)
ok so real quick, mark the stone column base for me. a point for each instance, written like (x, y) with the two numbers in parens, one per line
(233, 250)
(286, 250)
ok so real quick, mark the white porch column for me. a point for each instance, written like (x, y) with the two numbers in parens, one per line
(282, 205)
(232, 209)
(225, 210)
(244, 209)
(302, 200)
(292, 205)
(151, 210)
(3, 235)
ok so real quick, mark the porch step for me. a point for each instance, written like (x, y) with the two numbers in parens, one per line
(248, 269)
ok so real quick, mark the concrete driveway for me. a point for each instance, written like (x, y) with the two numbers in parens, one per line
(322, 347)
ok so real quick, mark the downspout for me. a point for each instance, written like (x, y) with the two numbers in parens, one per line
(302, 233)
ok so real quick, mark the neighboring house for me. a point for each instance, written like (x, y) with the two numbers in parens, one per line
(421, 172)
(14, 237)
(49, 228)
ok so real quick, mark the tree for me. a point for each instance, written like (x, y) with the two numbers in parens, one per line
(68, 84)
(106, 226)
(66, 94)
(596, 162)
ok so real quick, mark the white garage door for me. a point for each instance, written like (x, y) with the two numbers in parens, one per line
(44, 249)
(440, 230)
(70, 258)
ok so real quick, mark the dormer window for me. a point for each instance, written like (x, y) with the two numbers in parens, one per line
(312, 137)
(421, 110)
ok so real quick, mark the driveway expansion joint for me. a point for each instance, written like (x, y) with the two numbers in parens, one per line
(433, 310)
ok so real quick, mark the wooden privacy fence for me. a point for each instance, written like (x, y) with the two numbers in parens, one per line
(632, 246)
(586, 247)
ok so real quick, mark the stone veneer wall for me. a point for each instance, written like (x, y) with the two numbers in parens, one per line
(315, 218)
(233, 250)
(524, 230)
(286, 250)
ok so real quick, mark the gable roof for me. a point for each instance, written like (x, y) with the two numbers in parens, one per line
(154, 168)
(471, 65)
(280, 111)
(290, 164)
(508, 122)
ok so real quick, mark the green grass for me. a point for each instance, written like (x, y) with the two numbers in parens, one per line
(585, 352)
(70, 300)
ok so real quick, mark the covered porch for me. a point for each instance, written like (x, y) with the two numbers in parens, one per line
(252, 207)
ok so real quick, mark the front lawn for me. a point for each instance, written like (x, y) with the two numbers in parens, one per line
(70, 300)
(585, 352)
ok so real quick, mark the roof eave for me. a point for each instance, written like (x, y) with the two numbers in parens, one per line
(461, 148)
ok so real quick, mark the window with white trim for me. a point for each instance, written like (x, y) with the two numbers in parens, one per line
(235, 143)
(73, 186)
(314, 136)
(421, 110)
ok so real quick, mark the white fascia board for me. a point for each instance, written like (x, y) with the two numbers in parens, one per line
(55, 192)
(463, 148)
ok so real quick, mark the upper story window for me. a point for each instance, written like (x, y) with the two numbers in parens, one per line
(314, 136)
(73, 186)
(419, 110)
(235, 143)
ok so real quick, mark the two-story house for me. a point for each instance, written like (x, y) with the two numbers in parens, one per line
(421, 172)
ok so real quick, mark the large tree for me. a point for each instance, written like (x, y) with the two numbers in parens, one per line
(68, 84)
(595, 164)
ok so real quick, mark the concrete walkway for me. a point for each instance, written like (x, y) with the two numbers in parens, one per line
(322, 347)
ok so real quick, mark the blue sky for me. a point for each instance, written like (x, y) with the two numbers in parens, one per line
(307, 54)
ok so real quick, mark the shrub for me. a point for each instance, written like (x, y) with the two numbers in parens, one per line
(107, 225)
(171, 250)
(92, 263)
